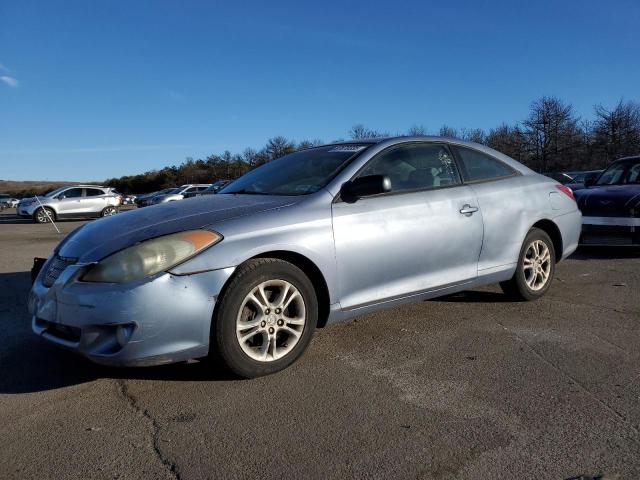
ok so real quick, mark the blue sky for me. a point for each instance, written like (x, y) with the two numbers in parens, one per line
(90, 90)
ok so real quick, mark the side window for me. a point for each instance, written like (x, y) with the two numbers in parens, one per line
(480, 166)
(415, 167)
(634, 174)
(92, 192)
(72, 193)
(189, 190)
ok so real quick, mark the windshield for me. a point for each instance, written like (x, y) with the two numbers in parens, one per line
(620, 173)
(171, 191)
(299, 173)
(54, 192)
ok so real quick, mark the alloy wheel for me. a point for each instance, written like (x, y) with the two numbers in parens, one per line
(43, 216)
(271, 320)
(537, 265)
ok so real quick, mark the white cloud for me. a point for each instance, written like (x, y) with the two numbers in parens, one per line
(9, 80)
(6, 77)
(175, 95)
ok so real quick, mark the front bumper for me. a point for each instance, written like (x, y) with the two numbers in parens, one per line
(27, 211)
(160, 320)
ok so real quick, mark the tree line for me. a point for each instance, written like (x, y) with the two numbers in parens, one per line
(551, 138)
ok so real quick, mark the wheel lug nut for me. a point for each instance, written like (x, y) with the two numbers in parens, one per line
(267, 311)
(263, 323)
(271, 330)
(280, 323)
(278, 310)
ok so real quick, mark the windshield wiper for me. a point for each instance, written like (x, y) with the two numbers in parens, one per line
(247, 192)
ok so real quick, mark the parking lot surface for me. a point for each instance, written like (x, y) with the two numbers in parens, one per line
(469, 386)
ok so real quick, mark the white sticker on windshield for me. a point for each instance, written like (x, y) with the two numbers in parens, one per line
(348, 148)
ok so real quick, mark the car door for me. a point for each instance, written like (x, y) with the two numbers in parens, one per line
(70, 202)
(426, 233)
(94, 201)
(507, 204)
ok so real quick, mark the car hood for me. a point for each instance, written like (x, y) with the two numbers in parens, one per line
(100, 238)
(609, 200)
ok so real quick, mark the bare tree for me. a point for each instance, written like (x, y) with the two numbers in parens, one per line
(304, 144)
(473, 135)
(278, 147)
(551, 131)
(616, 132)
(359, 131)
(508, 140)
(417, 131)
(447, 131)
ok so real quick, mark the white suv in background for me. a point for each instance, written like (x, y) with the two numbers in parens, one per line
(77, 201)
(180, 193)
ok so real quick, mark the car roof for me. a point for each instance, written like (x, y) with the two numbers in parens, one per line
(404, 138)
(384, 142)
(628, 159)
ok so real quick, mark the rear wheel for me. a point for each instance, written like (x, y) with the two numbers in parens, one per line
(108, 211)
(44, 215)
(265, 319)
(536, 268)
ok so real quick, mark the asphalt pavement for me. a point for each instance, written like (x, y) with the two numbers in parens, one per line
(468, 386)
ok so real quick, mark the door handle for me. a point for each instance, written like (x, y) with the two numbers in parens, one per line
(468, 210)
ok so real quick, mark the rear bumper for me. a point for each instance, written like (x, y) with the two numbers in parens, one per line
(160, 320)
(614, 231)
(569, 225)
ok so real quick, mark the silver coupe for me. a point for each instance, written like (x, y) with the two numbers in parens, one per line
(318, 236)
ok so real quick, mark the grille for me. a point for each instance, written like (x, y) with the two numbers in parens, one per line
(55, 268)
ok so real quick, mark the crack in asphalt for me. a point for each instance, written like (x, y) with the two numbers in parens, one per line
(132, 401)
(608, 407)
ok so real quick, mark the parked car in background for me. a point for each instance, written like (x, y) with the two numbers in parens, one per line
(216, 187)
(128, 199)
(180, 193)
(77, 201)
(610, 205)
(145, 199)
(579, 178)
(7, 201)
(4, 199)
(561, 177)
(317, 236)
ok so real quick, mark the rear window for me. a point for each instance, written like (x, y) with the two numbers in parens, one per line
(479, 166)
(93, 192)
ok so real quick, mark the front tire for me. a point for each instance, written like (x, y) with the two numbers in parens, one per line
(536, 268)
(44, 215)
(265, 319)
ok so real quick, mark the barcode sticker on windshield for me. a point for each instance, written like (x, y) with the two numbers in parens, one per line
(348, 148)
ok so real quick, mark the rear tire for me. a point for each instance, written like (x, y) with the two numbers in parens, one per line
(109, 211)
(44, 215)
(256, 334)
(536, 268)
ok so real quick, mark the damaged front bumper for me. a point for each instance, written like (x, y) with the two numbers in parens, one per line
(158, 320)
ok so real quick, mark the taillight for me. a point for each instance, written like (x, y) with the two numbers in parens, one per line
(567, 191)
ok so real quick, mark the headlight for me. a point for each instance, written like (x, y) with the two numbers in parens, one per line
(151, 256)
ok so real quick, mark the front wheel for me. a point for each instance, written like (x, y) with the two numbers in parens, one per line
(265, 319)
(535, 270)
(44, 215)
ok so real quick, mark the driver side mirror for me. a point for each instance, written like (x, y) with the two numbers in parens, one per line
(365, 186)
(589, 182)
